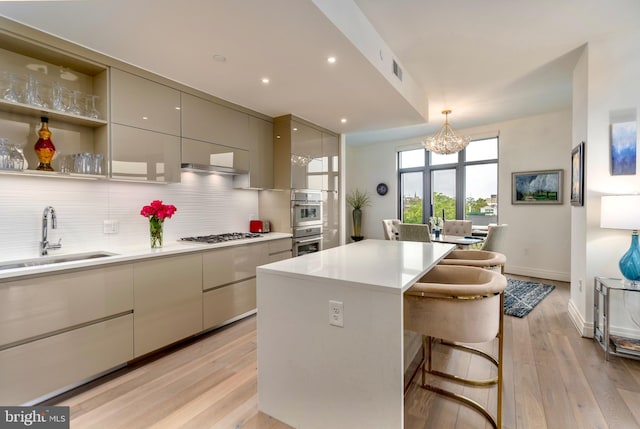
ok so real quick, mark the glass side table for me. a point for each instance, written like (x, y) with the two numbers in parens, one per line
(611, 344)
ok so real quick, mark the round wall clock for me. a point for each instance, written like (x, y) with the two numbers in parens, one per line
(382, 189)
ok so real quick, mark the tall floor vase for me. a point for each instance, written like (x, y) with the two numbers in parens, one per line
(357, 224)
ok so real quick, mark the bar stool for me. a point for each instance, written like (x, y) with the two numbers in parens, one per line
(476, 258)
(458, 304)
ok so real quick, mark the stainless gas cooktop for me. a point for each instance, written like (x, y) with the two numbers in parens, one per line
(221, 238)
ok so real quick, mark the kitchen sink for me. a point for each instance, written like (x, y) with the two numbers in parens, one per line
(49, 260)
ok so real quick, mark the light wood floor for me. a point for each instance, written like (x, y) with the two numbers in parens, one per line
(552, 379)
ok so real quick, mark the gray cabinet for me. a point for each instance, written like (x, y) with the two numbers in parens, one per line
(143, 155)
(142, 103)
(229, 282)
(200, 154)
(207, 121)
(305, 156)
(57, 330)
(260, 174)
(167, 301)
(145, 129)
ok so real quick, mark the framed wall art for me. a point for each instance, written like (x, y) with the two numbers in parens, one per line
(577, 175)
(536, 187)
(623, 148)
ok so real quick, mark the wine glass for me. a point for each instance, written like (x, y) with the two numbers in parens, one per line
(90, 109)
(74, 107)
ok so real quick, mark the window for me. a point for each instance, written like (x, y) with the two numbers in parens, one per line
(462, 185)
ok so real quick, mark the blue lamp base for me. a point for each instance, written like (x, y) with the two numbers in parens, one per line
(630, 262)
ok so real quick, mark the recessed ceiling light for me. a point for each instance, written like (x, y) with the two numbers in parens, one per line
(331, 60)
(145, 117)
(343, 120)
(265, 80)
(219, 58)
(177, 107)
(295, 129)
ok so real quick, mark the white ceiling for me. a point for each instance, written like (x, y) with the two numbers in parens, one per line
(487, 60)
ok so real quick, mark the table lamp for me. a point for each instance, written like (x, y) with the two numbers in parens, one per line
(623, 212)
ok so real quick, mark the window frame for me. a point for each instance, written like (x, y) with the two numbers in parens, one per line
(460, 173)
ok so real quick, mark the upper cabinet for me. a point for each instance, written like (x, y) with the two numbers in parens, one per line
(145, 129)
(207, 121)
(142, 103)
(36, 81)
(305, 156)
(142, 127)
(144, 155)
(260, 174)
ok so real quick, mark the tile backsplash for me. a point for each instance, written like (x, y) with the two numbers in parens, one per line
(207, 204)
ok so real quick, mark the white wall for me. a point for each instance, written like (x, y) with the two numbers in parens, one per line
(539, 236)
(613, 67)
(207, 204)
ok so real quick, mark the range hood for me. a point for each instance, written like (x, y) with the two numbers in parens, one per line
(204, 168)
(206, 157)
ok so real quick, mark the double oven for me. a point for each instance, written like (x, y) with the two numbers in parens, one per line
(306, 221)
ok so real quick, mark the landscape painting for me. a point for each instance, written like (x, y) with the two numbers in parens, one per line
(623, 148)
(537, 187)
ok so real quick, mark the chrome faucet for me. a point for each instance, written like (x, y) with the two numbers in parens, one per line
(44, 244)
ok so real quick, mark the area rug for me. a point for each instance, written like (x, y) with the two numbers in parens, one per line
(520, 296)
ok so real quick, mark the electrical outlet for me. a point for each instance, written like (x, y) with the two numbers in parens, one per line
(336, 313)
(110, 227)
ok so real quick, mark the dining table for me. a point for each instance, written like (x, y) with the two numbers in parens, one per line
(462, 242)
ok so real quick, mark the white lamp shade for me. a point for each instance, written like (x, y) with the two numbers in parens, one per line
(620, 212)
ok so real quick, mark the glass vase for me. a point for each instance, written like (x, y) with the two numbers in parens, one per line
(155, 233)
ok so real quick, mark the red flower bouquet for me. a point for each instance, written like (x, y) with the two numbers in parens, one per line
(157, 213)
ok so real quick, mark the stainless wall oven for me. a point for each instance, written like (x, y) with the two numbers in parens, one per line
(307, 240)
(306, 208)
(306, 221)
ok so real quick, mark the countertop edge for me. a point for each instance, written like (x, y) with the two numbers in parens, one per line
(124, 255)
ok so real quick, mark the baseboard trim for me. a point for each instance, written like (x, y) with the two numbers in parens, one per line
(538, 273)
(584, 329)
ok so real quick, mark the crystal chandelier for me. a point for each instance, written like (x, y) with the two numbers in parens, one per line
(446, 141)
(300, 160)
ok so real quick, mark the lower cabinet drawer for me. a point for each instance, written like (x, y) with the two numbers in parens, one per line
(227, 302)
(34, 369)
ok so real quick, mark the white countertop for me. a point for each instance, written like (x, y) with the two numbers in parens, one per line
(395, 265)
(121, 255)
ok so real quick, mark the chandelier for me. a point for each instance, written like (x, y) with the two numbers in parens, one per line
(446, 141)
(300, 160)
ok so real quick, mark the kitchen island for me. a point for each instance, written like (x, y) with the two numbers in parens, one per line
(314, 373)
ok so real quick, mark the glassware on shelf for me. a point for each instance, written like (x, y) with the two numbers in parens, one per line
(17, 161)
(25, 163)
(44, 147)
(58, 97)
(90, 108)
(96, 167)
(5, 154)
(10, 92)
(74, 105)
(34, 93)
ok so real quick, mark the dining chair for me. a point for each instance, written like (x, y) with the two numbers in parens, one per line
(414, 232)
(496, 238)
(454, 305)
(390, 228)
(457, 227)
(476, 258)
